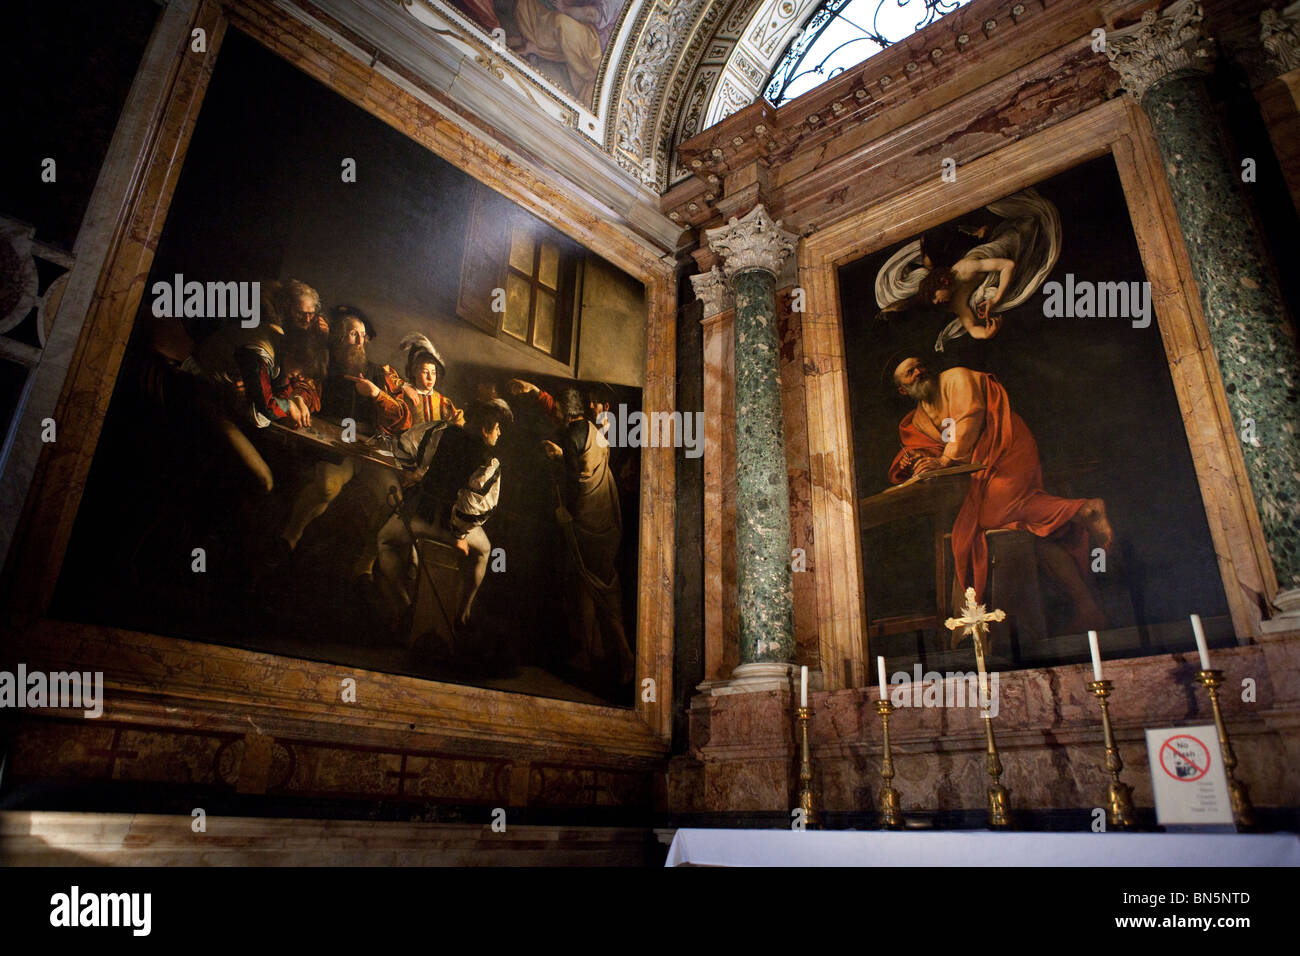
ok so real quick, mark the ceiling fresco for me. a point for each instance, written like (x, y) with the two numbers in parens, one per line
(563, 40)
(633, 76)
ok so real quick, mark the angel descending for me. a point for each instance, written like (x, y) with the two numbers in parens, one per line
(956, 268)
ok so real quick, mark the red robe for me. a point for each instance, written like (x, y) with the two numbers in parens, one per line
(480, 10)
(1008, 493)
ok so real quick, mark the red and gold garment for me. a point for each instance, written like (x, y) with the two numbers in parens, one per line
(1008, 493)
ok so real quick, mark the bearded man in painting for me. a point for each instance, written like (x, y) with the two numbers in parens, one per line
(369, 395)
(965, 417)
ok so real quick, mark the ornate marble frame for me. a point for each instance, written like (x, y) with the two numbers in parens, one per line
(167, 682)
(1117, 127)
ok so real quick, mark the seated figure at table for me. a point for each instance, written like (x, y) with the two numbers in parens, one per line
(367, 395)
(452, 503)
(963, 416)
(427, 412)
(424, 370)
(271, 372)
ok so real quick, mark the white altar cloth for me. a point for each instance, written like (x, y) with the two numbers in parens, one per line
(978, 848)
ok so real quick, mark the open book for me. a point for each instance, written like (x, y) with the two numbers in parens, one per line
(937, 473)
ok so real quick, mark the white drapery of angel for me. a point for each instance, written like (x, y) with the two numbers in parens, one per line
(1029, 234)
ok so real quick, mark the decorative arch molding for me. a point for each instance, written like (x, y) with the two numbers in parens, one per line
(671, 69)
(736, 66)
(694, 62)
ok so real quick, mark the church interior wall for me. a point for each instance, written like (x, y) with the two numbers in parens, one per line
(855, 166)
(248, 729)
(851, 168)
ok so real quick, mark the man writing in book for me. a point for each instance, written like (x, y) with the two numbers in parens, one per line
(963, 417)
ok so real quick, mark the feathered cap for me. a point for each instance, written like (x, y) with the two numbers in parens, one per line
(419, 349)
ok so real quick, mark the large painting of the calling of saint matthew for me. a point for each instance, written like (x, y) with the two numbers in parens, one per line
(364, 414)
(1016, 431)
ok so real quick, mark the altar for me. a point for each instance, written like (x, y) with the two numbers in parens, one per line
(877, 848)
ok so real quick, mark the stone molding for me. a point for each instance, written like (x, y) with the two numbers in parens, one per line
(755, 241)
(1280, 35)
(1165, 43)
(711, 288)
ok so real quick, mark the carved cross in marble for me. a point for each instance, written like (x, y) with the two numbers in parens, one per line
(114, 753)
(402, 776)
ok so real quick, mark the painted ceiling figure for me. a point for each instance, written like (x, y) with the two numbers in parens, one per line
(562, 31)
(949, 268)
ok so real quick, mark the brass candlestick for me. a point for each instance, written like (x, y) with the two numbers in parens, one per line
(999, 796)
(1119, 805)
(974, 621)
(1241, 805)
(806, 800)
(891, 806)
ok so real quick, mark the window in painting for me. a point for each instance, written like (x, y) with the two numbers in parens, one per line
(538, 276)
(843, 33)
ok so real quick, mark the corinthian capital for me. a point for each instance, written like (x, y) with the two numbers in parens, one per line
(1280, 35)
(711, 289)
(1171, 41)
(751, 242)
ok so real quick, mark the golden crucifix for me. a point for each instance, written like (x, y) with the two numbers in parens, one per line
(974, 622)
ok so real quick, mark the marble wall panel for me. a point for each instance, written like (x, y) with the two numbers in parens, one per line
(1048, 731)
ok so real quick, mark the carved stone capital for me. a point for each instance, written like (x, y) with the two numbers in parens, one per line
(711, 288)
(754, 241)
(1171, 41)
(1279, 32)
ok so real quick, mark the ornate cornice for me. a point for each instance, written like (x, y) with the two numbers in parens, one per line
(1161, 45)
(711, 288)
(755, 241)
(1280, 34)
(951, 55)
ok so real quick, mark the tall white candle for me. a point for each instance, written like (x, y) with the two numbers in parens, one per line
(803, 686)
(1096, 655)
(880, 669)
(1201, 647)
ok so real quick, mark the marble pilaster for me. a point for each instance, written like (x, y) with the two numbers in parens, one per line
(1279, 92)
(754, 248)
(1163, 61)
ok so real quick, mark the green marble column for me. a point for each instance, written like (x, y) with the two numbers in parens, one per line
(1163, 61)
(754, 248)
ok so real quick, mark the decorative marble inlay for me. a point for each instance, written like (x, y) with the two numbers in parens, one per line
(1280, 34)
(754, 241)
(754, 248)
(1162, 45)
(1253, 340)
(764, 584)
(711, 289)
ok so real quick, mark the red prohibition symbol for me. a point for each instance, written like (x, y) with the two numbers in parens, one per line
(1187, 764)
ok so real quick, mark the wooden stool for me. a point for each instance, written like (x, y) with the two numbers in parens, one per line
(437, 574)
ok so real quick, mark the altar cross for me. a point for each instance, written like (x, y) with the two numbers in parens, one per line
(974, 622)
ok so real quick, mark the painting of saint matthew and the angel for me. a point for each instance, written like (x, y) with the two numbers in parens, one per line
(1016, 431)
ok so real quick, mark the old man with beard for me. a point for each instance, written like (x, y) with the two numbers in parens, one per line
(963, 416)
(271, 372)
(369, 395)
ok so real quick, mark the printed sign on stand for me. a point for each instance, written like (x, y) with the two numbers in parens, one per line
(1188, 778)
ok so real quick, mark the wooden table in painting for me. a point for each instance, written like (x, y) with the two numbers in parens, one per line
(325, 438)
(938, 495)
